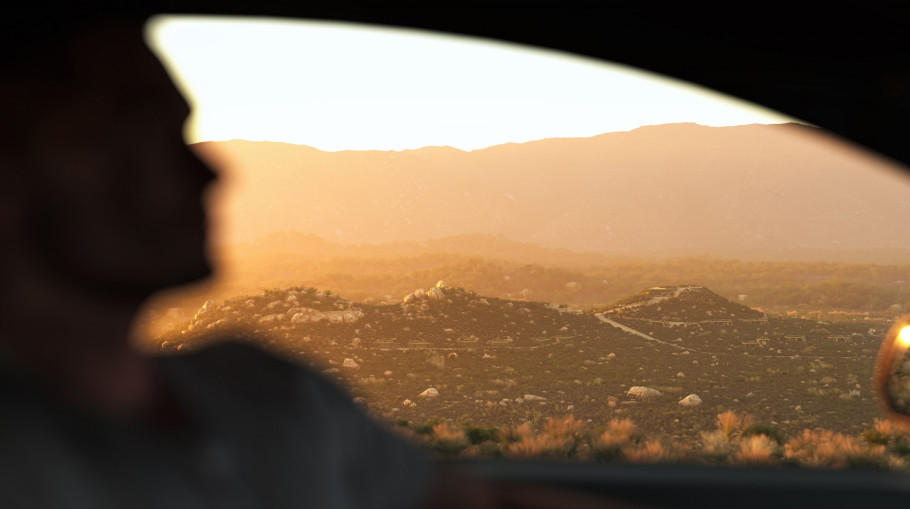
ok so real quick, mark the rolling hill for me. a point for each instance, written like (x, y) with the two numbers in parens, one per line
(502, 362)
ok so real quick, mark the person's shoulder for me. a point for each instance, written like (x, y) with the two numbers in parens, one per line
(226, 354)
(237, 363)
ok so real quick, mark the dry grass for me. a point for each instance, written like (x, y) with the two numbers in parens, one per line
(827, 449)
(568, 427)
(730, 422)
(883, 446)
(756, 449)
(540, 445)
(618, 436)
(650, 452)
(449, 440)
(715, 445)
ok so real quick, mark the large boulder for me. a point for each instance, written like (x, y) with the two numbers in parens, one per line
(690, 400)
(350, 363)
(435, 294)
(643, 392)
(530, 398)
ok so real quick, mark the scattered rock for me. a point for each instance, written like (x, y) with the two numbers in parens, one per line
(437, 360)
(209, 304)
(643, 392)
(528, 398)
(690, 400)
(350, 363)
(430, 393)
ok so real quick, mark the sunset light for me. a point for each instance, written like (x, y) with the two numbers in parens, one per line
(337, 86)
(904, 336)
(515, 252)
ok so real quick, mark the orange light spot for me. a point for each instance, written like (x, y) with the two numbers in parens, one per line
(904, 336)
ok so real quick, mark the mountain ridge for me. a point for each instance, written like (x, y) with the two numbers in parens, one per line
(751, 191)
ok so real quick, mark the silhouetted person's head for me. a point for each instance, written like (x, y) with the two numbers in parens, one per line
(97, 187)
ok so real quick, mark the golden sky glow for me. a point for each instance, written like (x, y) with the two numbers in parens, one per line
(337, 86)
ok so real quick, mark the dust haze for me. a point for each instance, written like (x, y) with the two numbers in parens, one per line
(746, 271)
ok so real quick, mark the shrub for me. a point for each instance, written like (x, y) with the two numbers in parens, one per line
(885, 433)
(568, 427)
(715, 446)
(756, 449)
(729, 422)
(875, 437)
(650, 452)
(448, 441)
(541, 445)
(479, 435)
(426, 428)
(619, 434)
(824, 448)
(768, 430)
(735, 441)
(484, 450)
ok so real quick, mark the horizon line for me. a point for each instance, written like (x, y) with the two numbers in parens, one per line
(792, 122)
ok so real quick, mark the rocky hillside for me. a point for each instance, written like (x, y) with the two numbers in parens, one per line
(448, 353)
(440, 316)
(682, 305)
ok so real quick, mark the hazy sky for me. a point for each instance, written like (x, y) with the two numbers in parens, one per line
(337, 86)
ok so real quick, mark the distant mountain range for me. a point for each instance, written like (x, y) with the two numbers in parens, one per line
(752, 192)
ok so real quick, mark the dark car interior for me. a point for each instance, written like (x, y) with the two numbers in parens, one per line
(845, 68)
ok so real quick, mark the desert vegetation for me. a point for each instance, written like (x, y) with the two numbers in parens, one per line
(596, 302)
(735, 439)
(670, 372)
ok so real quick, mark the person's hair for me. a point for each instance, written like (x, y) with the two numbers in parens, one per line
(39, 25)
(36, 62)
